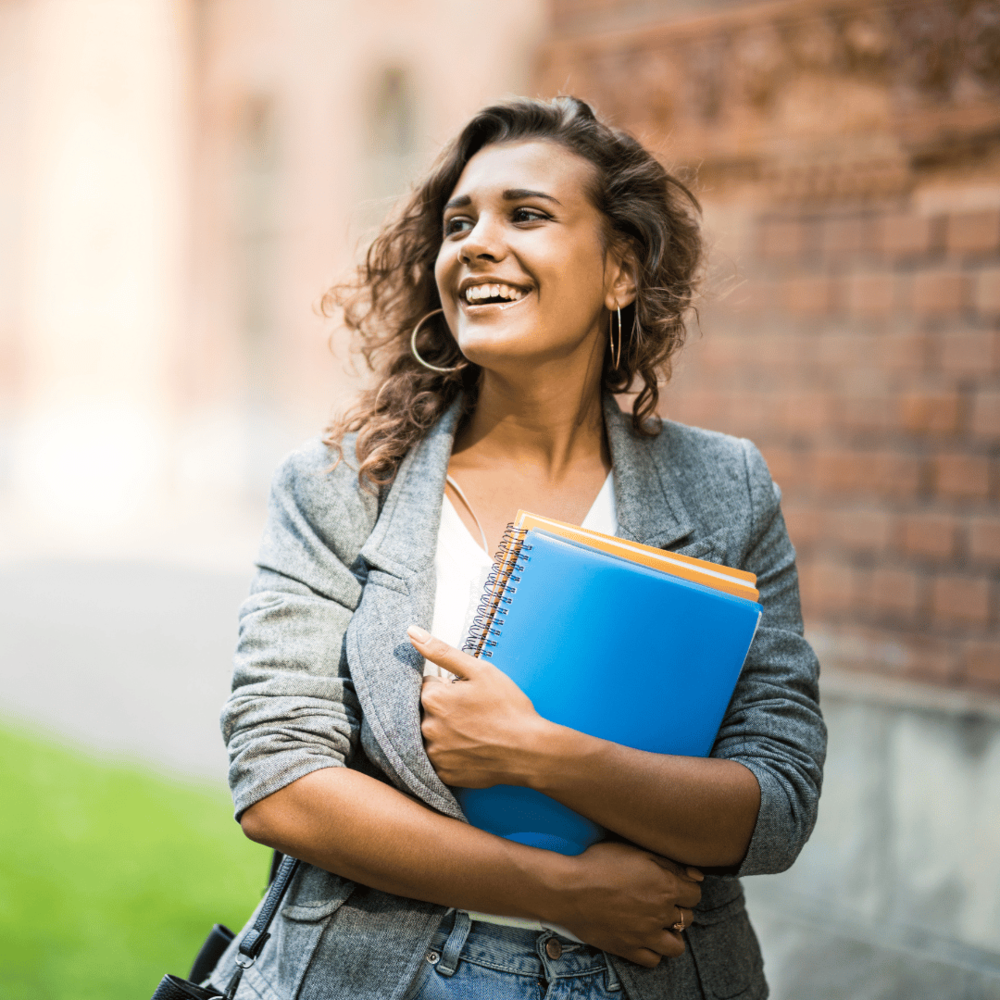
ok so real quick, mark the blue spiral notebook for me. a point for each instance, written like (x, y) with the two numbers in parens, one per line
(608, 647)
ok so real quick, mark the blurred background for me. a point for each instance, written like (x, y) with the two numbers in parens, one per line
(179, 182)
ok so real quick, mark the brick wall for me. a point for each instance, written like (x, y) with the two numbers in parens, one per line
(847, 153)
(860, 349)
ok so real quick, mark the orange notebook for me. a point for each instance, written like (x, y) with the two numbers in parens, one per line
(737, 582)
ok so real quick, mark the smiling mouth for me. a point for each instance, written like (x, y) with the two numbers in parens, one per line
(491, 294)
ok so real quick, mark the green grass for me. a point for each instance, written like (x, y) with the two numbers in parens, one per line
(110, 876)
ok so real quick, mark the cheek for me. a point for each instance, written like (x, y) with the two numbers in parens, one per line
(440, 273)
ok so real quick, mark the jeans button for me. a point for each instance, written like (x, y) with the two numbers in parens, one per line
(553, 949)
(433, 957)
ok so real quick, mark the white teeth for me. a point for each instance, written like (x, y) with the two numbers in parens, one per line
(474, 293)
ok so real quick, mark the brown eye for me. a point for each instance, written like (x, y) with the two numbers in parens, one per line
(456, 224)
(529, 215)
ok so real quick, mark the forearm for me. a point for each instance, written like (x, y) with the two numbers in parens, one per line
(696, 810)
(364, 830)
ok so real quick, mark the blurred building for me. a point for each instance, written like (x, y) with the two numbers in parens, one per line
(181, 179)
(847, 155)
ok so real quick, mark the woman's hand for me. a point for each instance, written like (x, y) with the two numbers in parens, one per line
(627, 901)
(480, 729)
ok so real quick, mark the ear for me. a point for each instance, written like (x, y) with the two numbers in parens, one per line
(619, 282)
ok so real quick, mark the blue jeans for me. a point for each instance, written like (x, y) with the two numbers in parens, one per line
(469, 959)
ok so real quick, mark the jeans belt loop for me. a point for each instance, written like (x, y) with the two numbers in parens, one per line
(611, 982)
(453, 946)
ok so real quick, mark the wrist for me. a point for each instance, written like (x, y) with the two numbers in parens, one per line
(559, 757)
(553, 876)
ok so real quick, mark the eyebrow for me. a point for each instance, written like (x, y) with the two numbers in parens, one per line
(511, 194)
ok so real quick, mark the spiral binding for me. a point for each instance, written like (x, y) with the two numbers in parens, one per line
(500, 585)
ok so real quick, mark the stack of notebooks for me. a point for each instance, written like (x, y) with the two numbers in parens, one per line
(623, 641)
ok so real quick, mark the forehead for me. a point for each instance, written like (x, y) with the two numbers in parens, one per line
(536, 165)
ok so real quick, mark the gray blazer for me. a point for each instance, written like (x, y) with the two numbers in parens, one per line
(325, 677)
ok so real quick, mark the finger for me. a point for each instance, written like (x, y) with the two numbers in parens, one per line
(688, 896)
(688, 872)
(671, 945)
(429, 688)
(645, 957)
(439, 652)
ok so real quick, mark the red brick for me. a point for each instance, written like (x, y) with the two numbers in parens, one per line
(893, 474)
(961, 600)
(982, 663)
(772, 350)
(896, 593)
(754, 298)
(931, 413)
(973, 232)
(871, 294)
(827, 587)
(801, 413)
(903, 351)
(984, 539)
(961, 477)
(845, 350)
(791, 469)
(808, 296)
(905, 235)
(717, 353)
(866, 414)
(968, 352)
(986, 293)
(836, 470)
(699, 408)
(934, 536)
(939, 293)
(986, 414)
(861, 530)
(847, 235)
(928, 659)
(805, 525)
(782, 238)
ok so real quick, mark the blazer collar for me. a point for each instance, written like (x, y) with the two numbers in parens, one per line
(647, 499)
(405, 536)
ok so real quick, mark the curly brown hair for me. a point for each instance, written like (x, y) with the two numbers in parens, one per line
(651, 219)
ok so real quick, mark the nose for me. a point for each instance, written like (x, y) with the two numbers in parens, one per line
(483, 242)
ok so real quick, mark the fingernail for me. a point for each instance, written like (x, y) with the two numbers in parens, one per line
(418, 633)
(695, 875)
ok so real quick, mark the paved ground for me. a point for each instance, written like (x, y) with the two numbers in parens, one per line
(129, 658)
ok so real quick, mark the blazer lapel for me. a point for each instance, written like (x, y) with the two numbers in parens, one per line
(647, 500)
(399, 591)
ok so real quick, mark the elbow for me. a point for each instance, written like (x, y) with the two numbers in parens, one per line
(257, 824)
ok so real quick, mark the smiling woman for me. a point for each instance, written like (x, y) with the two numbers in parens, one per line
(546, 262)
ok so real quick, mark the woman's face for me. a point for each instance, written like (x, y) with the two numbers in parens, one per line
(522, 271)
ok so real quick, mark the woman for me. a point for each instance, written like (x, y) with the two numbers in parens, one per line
(546, 262)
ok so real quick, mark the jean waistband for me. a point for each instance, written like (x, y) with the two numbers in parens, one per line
(515, 950)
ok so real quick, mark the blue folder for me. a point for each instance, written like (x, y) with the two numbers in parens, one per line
(613, 649)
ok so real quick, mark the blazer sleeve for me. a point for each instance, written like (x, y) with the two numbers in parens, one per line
(293, 708)
(773, 725)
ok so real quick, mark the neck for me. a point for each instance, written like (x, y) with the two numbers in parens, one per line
(548, 426)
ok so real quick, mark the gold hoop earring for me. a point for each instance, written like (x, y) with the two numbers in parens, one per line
(414, 352)
(616, 350)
